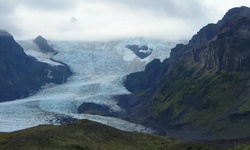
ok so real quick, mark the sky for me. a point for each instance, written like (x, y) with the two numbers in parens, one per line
(94, 20)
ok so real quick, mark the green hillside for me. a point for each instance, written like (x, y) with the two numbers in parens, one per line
(87, 135)
(202, 91)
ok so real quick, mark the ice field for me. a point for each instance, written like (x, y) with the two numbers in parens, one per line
(98, 70)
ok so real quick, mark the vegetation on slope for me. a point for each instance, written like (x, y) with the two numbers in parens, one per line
(202, 91)
(87, 135)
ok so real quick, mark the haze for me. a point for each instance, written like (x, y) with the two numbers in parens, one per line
(110, 19)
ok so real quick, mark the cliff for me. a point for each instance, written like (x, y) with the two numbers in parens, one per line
(201, 91)
(22, 75)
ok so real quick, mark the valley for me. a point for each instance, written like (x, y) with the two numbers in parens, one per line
(100, 94)
(98, 71)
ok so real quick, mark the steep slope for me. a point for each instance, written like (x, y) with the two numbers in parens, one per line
(91, 136)
(43, 45)
(22, 75)
(202, 90)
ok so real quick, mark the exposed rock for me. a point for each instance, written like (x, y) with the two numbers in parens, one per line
(43, 45)
(235, 13)
(141, 51)
(230, 49)
(22, 75)
(202, 90)
(95, 109)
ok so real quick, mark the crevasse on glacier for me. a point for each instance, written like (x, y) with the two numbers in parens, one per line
(98, 71)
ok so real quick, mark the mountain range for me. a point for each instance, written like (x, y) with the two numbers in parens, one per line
(199, 93)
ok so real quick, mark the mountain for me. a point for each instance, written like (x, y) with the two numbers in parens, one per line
(87, 135)
(201, 92)
(22, 75)
(43, 45)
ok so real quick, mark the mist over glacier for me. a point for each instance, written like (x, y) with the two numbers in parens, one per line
(98, 70)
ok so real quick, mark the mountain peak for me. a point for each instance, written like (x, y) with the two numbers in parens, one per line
(42, 43)
(243, 10)
(5, 34)
(234, 13)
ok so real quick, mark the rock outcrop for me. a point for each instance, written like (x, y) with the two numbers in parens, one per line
(22, 75)
(43, 45)
(141, 51)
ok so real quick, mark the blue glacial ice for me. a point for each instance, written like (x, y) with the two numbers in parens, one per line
(98, 69)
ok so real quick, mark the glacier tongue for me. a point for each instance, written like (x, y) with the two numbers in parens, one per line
(98, 72)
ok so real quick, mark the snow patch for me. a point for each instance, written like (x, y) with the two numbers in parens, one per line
(49, 74)
(146, 51)
(31, 49)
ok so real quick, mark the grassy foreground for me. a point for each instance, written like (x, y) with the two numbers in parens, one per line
(88, 135)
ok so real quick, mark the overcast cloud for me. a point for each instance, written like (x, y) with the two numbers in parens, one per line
(110, 19)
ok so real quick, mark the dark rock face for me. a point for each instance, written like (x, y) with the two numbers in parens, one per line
(153, 70)
(202, 90)
(230, 50)
(43, 45)
(92, 108)
(235, 13)
(141, 51)
(22, 75)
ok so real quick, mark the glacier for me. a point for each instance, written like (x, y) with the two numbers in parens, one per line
(98, 70)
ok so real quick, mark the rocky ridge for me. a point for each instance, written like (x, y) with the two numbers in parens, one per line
(202, 90)
(22, 75)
